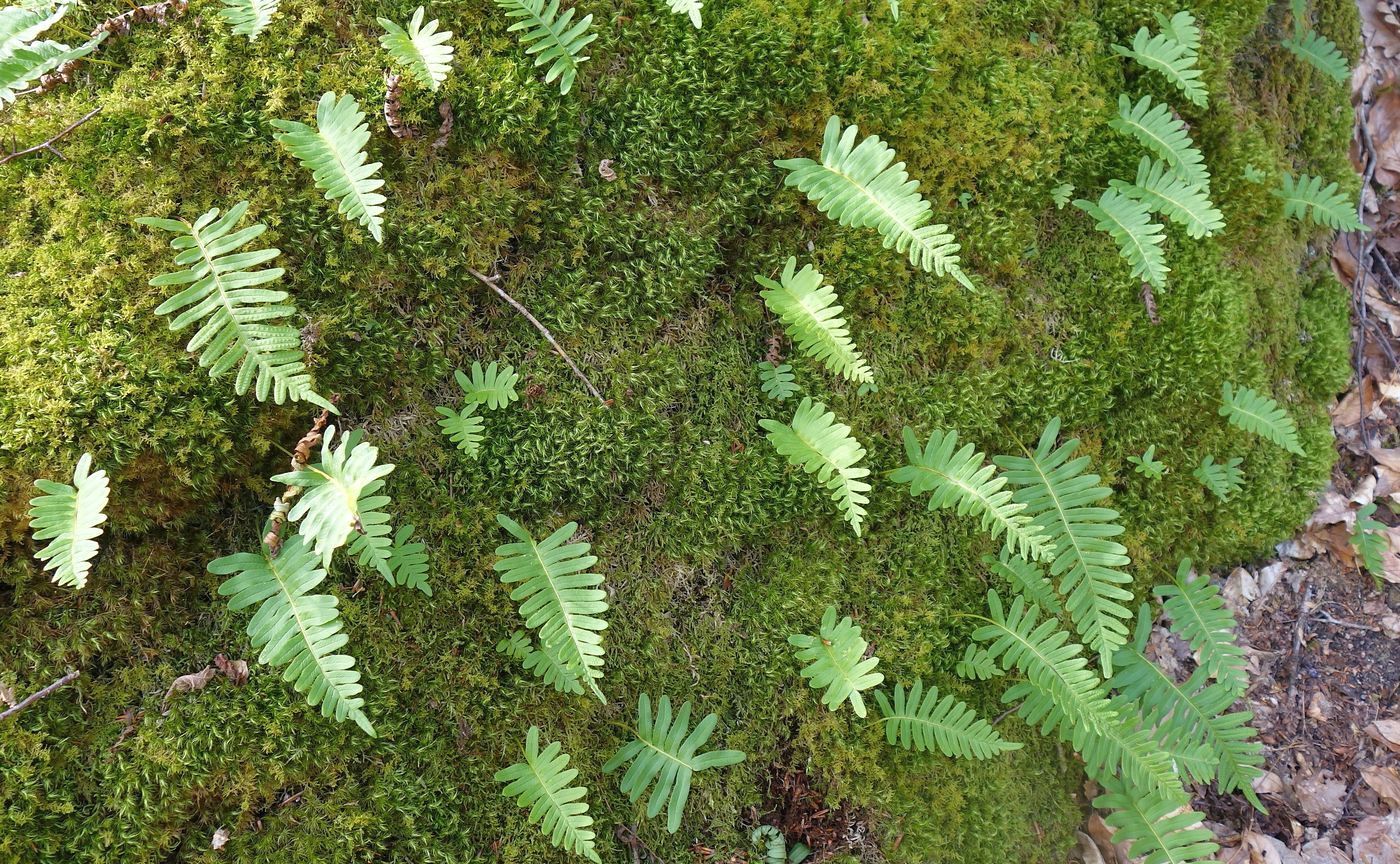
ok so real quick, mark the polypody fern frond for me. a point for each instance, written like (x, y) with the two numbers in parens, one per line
(421, 49)
(541, 785)
(464, 428)
(812, 318)
(1181, 27)
(923, 722)
(1156, 128)
(691, 8)
(1199, 615)
(1169, 58)
(1165, 192)
(836, 660)
(1129, 223)
(70, 518)
(22, 23)
(548, 35)
(1159, 827)
(25, 63)
(1147, 464)
(248, 17)
(334, 153)
(821, 446)
(858, 187)
(1026, 578)
(976, 665)
(239, 318)
(1370, 540)
(666, 753)
(1319, 52)
(494, 386)
(542, 665)
(1306, 198)
(400, 562)
(777, 381)
(1256, 413)
(339, 490)
(1223, 479)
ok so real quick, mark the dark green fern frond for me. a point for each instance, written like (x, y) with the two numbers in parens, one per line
(1165, 192)
(1158, 826)
(1147, 464)
(1169, 58)
(542, 664)
(541, 785)
(1305, 197)
(812, 318)
(548, 35)
(1199, 615)
(1155, 127)
(836, 660)
(1319, 52)
(1181, 27)
(1371, 541)
(1129, 223)
(777, 381)
(463, 428)
(821, 446)
(976, 665)
(1026, 578)
(1260, 415)
(923, 722)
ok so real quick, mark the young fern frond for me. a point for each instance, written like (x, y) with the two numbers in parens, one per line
(421, 49)
(558, 598)
(1370, 540)
(70, 518)
(821, 446)
(836, 660)
(689, 7)
(493, 386)
(463, 428)
(239, 318)
(540, 663)
(1165, 192)
(516, 646)
(24, 63)
(1305, 197)
(812, 318)
(1223, 479)
(1182, 28)
(549, 36)
(1319, 52)
(1154, 826)
(408, 561)
(1026, 578)
(1260, 415)
(1147, 464)
(1199, 615)
(334, 152)
(964, 480)
(923, 722)
(858, 187)
(1063, 500)
(1129, 223)
(777, 382)
(400, 562)
(1169, 58)
(339, 492)
(295, 628)
(665, 753)
(976, 665)
(1156, 128)
(248, 17)
(541, 785)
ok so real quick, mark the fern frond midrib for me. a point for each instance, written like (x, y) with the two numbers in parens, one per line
(844, 673)
(1163, 844)
(820, 327)
(250, 347)
(352, 501)
(988, 507)
(301, 629)
(569, 629)
(925, 721)
(558, 806)
(1050, 665)
(1205, 719)
(681, 762)
(345, 170)
(551, 26)
(1127, 231)
(908, 230)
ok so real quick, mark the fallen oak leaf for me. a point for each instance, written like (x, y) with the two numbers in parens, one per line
(1385, 781)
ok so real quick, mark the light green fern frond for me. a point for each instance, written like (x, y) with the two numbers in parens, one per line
(421, 49)
(295, 628)
(836, 660)
(1063, 500)
(339, 490)
(821, 446)
(777, 382)
(1260, 415)
(1026, 578)
(334, 152)
(248, 17)
(70, 518)
(976, 665)
(240, 319)
(1370, 540)
(666, 753)
(1159, 827)
(1306, 198)
(688, 7)
(1199, 615)
(1156, 128)
(894, 9)
(1147, 464)
(464, 428)
(516, 646)
(544, 663)
(547, 35)
(1182, 28)
(962, 479)
(408, 561)
(541, 785)
(558, 598)
(1169, 58)
(1223, 479)
(923, 722)
(1163, 191)
(1319, 52)
(858, 187)
(812, 318)
(493, 386)
(23, 23)
(24, 63)
(1129, 223)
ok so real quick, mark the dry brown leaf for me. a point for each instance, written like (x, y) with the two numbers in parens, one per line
(1386, 732)
(188, 684)
(219, 839)
(1322, 796)
(1385, 781)
(1376, 840)
(7, 695)
(236, 671)
(1379, 28)
(1113, 853)
(1267, 783)
(1320, 851)
(1088, 853)
(1262, 848)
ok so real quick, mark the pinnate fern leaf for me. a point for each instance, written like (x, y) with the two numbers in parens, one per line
(1223, 479)
(1371, 542)
(24, 22)
(1155, 127)
(689, 7)
(858, 187)
(295, 628)
(1260, 415)
(493, 386)
(463, 428)
(421, 49)
(70, 517)
(340, 491)
(1182, 28)
(836, 660)
(1165, 192)
(777, 381)
(1171, 59)
(548, 36)
(1199, 615)
(821, 446)
(812, 317)
(1159, 827)
(976, 665)
(665, 755)
(24, 63)
(1147, 464)
(924, 722)
(334, 152)
(1319, 52)
(541, 785)
(248, 17)
(1306, 198)
(1026, 578)
(1129, 223)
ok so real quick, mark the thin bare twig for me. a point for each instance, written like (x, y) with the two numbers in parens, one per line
(35, 697)
(48, 145)
(491, 281)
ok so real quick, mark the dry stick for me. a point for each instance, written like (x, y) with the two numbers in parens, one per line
(35, 697)
(544, 331)
(48, 145)
(1362, 256)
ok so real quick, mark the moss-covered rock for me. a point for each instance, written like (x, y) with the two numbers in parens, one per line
(714, 550)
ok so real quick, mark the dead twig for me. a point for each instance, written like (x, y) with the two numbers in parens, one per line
(491, 282)
(35, 697)
(393, 106)
(48, 145)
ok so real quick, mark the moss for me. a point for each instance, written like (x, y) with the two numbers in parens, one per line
(713, 549)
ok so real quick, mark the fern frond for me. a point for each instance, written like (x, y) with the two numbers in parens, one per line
(558, 598)
(463, 428)
(1199, 615)
(24, 63)
(1062, 500)
(812, 318)
(976, 665)
(248, 17)
(1129, 223)
(548, 35)
(23, 23)
(1370, 540)
(777, 382)
(295, 628)
(544, 663)
(665, 753)
(858, 187)
(923, 722)
(334, 152)
(894, 9)
(836, 660)
(1223, 479)
(821, 446)
(1260, 415)
(962, 479)
(1026, 578)
(1182, 28)
(1305, 197)
(516, 646)
(541, 785)
(339, 491)
(1169, 58)
(691, 8)
(421, 49)
(1164, 192)
(1156, 128)
(1319, 52)
(1147, 465)
(239, 318)
(493, 386)
(1159, 827)
(408, 561)
(70, 518)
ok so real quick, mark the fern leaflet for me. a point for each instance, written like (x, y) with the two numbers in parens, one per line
(777, 381)
(836, 660)
(248, 17)
(1156, 128)
(1182, 28)
(822, 446)
(1319, 52)
(23, 63)
(548, 35)
(1026, 578)
(1199, 615)
(339, 492)
(811, 316)
(1223, 479)
(334, 153)
(924, 722)
(688, 7)
(1154, 826)
(976, 665)
(1165, 192)
(1306, 198)
(1129, 223)
(70, 518)
(22, 23)
(1260, 415)
(1169, 58)
(1370, 540)
(494, 386)
(421, 49)
(541, 784)
(463, 428)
